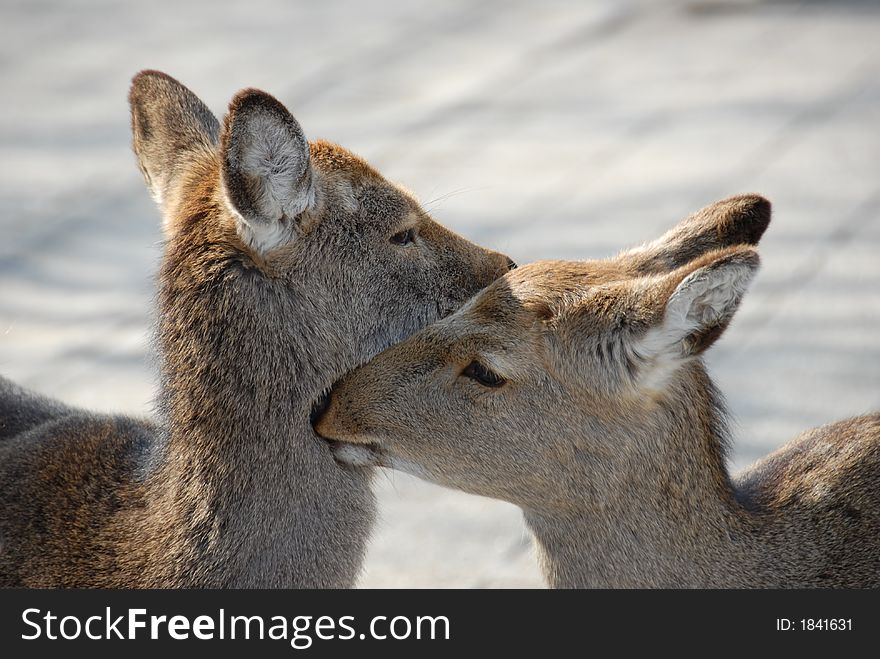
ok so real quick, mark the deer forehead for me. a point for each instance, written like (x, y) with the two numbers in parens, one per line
(355, 185)
(507, 323)
(545, 292)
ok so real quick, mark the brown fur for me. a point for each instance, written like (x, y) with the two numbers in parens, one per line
(259, 310)
(608, 432)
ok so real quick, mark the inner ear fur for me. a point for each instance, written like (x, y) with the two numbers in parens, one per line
(695, 303)
(266, 161)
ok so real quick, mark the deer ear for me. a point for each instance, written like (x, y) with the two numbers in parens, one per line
(266, 169)
(694, 305)
(739, 220)
(169, 124)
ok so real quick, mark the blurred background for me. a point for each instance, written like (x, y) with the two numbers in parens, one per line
(542, 129)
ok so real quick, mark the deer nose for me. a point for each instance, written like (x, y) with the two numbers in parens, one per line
(319, 407)
(511, 264)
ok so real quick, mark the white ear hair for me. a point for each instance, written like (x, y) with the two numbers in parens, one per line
(704, 301)
(707, 296)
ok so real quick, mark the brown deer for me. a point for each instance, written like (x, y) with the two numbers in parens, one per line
(577, 391)
(286, 264)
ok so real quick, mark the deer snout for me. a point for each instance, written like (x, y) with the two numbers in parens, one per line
(319, 407)
(323, 415)
(494, 266)
(501, 265)
(332, 419)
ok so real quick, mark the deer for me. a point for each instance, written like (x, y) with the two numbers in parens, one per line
(286, 263)
(577, 391)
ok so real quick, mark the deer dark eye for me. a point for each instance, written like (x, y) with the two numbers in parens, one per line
(403, 237)
(482, 374)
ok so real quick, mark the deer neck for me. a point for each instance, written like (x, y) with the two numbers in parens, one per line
(613, 548)
(674, 522)
(244, 486)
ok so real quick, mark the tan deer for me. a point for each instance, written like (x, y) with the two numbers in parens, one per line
(576, 391)
(286, 264)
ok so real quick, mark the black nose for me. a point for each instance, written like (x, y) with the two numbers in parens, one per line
(319, 407)
(511, 264)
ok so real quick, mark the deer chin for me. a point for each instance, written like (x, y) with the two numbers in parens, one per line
(358, 455)
(372, 455)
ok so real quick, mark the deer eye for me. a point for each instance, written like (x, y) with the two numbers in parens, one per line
(403, 237)
(482, 374)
